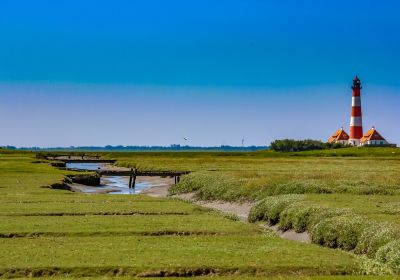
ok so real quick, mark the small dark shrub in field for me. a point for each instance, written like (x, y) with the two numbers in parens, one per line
(390, 254)
(270, 208)
(376, 236)
(339, 232)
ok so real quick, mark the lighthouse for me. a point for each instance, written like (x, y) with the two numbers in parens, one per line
(356, 137)
(356, 128)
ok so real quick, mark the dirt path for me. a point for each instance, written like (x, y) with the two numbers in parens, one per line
(241, 210)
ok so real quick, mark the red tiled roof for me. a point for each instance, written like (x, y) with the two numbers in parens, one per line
(339, 135)
(372, 134)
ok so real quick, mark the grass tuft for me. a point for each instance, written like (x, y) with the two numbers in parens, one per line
(269, 209)
(390, 254)
(339, 232)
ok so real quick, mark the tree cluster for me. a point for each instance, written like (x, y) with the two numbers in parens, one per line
(290, 145)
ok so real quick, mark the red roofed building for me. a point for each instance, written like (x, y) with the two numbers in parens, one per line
(356, 137)
(339, 136)
(372, 137)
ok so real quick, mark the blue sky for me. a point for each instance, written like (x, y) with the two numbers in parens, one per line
(152, 72)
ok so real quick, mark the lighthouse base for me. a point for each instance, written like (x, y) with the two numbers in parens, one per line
(354, 142)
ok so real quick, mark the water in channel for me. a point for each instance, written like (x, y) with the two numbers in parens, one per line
(109, 184)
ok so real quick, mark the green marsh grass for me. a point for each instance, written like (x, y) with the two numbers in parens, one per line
(346, 193)
(58, 232)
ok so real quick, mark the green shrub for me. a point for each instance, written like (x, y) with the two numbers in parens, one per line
(373, 267)
(270, 208)
(324, 213)
(297, 216)
(375, 236)
(341, 232)
(390, 255)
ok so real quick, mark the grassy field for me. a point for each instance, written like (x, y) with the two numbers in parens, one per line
(46, 232)
(253, 176)
(352, 195)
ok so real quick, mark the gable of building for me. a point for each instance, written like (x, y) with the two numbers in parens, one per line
(339, 135)
(372, 135)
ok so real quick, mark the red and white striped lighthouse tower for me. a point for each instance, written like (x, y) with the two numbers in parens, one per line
(356, 129)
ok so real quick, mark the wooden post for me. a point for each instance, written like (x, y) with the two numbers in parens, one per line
(134, 179)
(175, 179)
(178, 179)
(130, 179)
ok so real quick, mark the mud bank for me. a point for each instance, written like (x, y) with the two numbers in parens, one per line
(84, 179)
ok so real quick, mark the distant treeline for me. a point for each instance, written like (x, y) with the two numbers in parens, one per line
(290, 145)
(121, 148)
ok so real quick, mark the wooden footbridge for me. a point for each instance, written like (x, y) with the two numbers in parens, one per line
(133, 173)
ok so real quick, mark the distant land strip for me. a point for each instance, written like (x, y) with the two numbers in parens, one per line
(120, 148)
